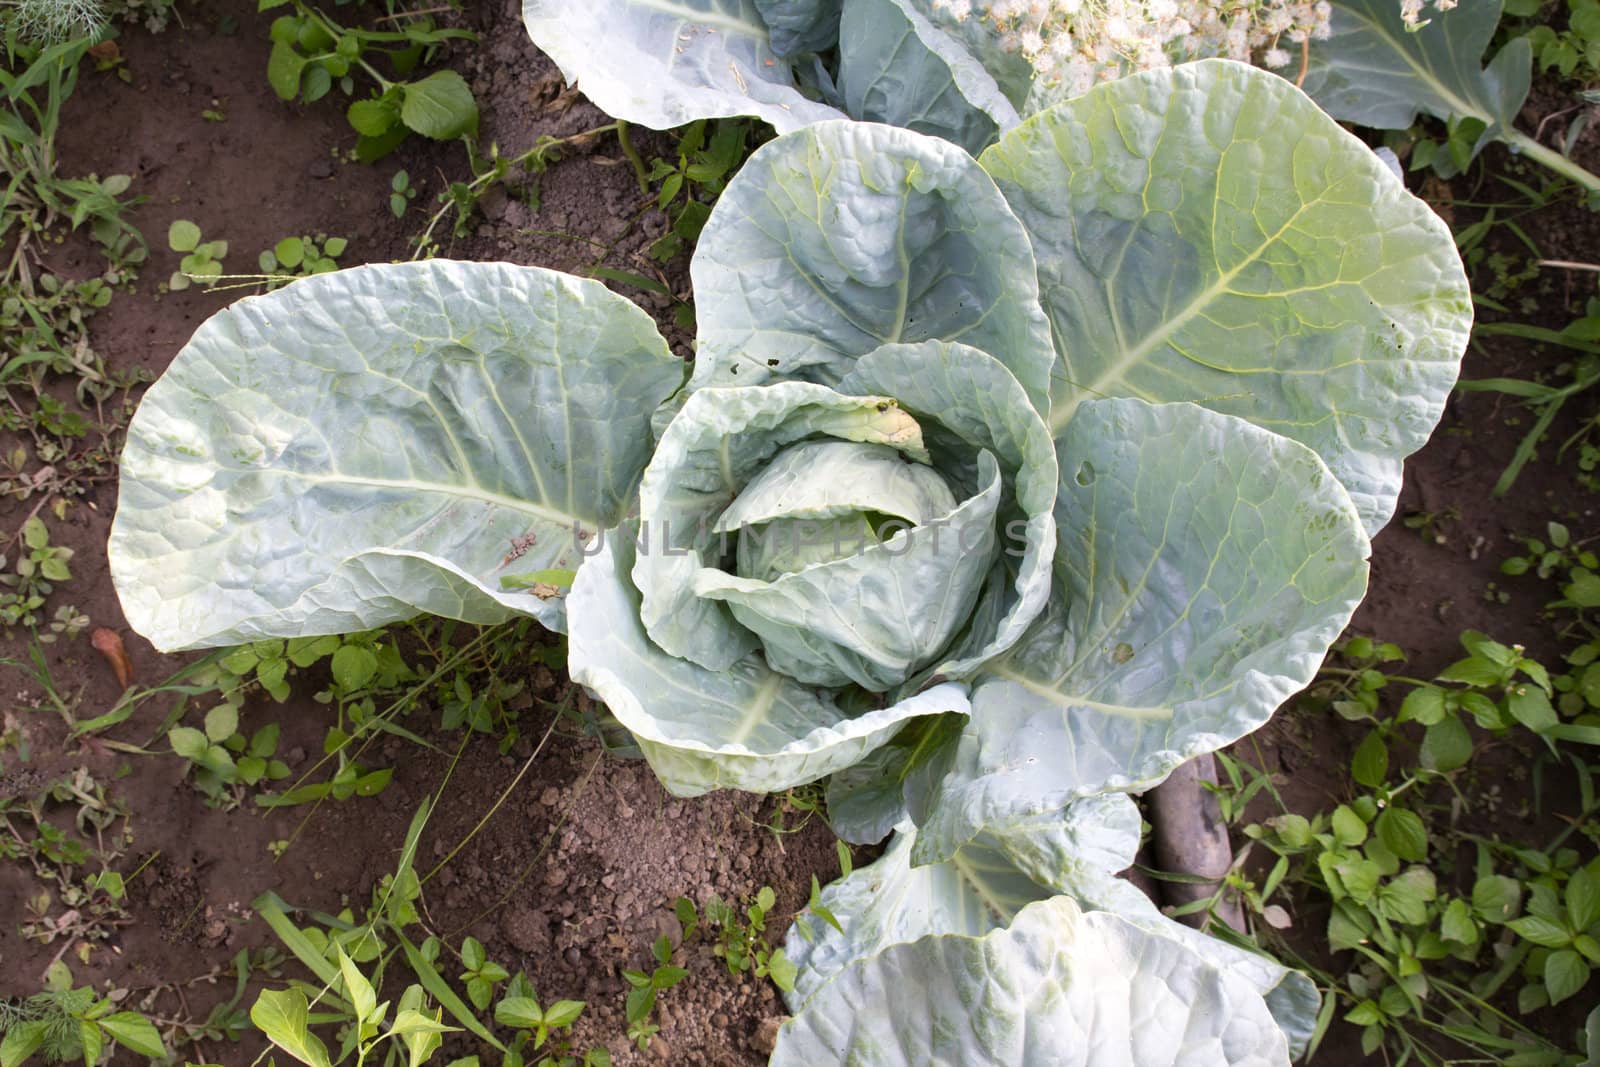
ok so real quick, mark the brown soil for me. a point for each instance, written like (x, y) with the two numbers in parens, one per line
(575, 874)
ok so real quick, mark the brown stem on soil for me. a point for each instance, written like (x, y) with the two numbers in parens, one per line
(1568, 264)
(1191, 839)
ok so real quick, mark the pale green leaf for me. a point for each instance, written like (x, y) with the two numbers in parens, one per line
(360, 446)
(281, 1015)
(662, 63)
(1205, 233)
(846, 236)
(359, 991)
(135, 1033)
(21, 1041)
(183, 236)
(1059, 986)
(188, 742)
(1203, 569)
(222, 722)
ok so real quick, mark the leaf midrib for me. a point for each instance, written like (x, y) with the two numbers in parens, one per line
(468, 492)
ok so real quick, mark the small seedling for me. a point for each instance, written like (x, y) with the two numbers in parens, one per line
(283, 1015)
(312, 54)
(481, 974)
(642, 998)
(63, 833)
(202, 260)
(401, 193)
(708, 154)
(1551, 555)
(1430, 525)
(39, 566)
(223, 760)
(525, 1013)
(298, 257)
(741, 938)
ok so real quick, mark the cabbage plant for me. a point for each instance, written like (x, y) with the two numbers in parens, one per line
(999, 488)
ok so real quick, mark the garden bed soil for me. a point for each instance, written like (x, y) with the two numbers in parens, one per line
(576, 873)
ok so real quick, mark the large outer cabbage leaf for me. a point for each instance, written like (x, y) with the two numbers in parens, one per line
(1059, 987)
(662, 63)
(1376, 71)
(1203, 568)
(359, 447)
(1206, 234)
(980, 888)
(744, 727)
(846, 236)
(1076, 852)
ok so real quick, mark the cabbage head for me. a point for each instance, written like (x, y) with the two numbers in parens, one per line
(999, 488)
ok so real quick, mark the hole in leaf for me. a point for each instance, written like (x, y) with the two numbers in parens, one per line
(1085, 474)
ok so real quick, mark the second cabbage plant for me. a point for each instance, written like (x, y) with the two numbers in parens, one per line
(999, 488)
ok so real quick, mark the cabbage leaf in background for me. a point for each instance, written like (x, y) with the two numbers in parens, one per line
(1149, 367)
(662, 63)
(1377, 71)
(667, 62)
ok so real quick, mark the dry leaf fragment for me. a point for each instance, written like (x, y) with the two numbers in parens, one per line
(109, 645)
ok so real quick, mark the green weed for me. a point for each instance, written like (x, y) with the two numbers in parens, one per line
(202, 259)
(299, 257)
(312, 55)
(64, 1022)
(641, 1002)
(1453, 936)
(351, 960)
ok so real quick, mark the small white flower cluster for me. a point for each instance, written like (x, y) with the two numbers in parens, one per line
(1411, 11)
(1072, 44)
